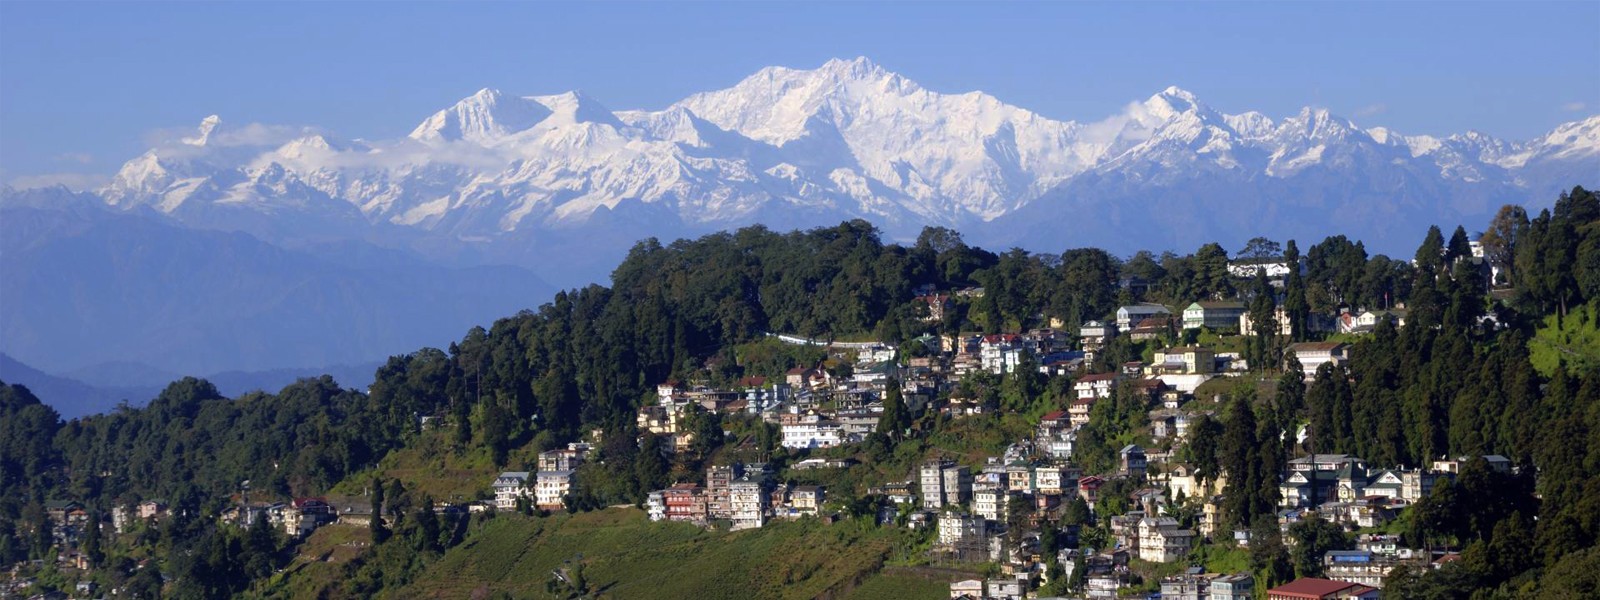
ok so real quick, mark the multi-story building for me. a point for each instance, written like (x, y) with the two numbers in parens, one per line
(1239, 586)
(1095, 335)
(990, 504)
(1048, 479)
(944, 484)
(563, 459)
(719, 482)
(1312, 355)
(808, 499)
(1213, 314)
(1000, 353)
(655, 505)
(551, 489)
(1192, 584)
(956, 528)
(510, 486)
(1095, 386)
(305, 515)
(1160, 539)
(1128, 316)
(1358, 566)
(1184, 360)
(1131, 461)
(748, 502)
(811, 431)
(1019, 476)
(685, 502)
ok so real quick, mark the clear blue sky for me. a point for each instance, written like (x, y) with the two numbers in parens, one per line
(82, 85)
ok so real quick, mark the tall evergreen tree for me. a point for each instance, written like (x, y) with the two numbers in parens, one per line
(1264, 320)
(1239, 457)
(1295, 307)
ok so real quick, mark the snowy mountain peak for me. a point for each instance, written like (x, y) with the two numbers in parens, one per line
(207, 126)
(1316, 123)
(576, 107)
(845, 139)
(1172, 102)
(482, 117)
(858, 68)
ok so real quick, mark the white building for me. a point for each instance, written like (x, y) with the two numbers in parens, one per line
(944, 484)
(812, 431)
(1096, 385)
(1000, 353)
(655, 505)
(1312, 355)
(1160, 539)
(749, 503)
(551, 489)
(1239, 586)
(1220, 314)
(509, 486)
(1049, 479)
(956, 528)
(991, 504)
(1130, 315)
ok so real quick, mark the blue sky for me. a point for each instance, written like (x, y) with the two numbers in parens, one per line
(84, 85)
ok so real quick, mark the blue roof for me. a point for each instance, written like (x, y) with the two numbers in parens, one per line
(1347, 556)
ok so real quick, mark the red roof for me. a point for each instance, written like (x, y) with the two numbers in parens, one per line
(1001, 337)
(1311, 587)
(1093, 377)
(1055, 415)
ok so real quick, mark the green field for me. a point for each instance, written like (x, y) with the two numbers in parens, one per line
(623, 555)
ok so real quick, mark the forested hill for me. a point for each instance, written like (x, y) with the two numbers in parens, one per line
(1469, 373)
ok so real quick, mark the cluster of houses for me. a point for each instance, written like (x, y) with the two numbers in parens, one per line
(549, 488)
(743, 496)
(970, 507)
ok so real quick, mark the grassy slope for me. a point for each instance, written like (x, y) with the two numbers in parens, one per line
(320, 560)
(626, 556)
(430, 465)
(895, 583)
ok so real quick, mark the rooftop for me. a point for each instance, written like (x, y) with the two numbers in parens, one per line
(1311, 587)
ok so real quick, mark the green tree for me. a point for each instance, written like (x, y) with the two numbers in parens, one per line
(1264, 320)
(1500, 241)
(1212, 279)
(1238, 456)
(91, 543)
(1295, 307)
(1315, 537)
(896, 417)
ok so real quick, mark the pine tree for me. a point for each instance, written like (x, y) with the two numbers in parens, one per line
(91, 541)
(1264, 319)
(896, 417)
(1294, 290)
(1240, 460)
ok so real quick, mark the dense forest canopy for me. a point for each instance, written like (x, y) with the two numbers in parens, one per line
(1511, 372)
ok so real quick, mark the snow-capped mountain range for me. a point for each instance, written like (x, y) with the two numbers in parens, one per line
(791, 147)
(358, 249)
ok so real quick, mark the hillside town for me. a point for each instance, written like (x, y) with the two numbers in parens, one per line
(1207, 449)
(996, 511)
